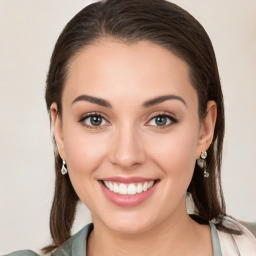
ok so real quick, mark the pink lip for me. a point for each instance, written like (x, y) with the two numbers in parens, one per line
(128, 200)
(127, 180)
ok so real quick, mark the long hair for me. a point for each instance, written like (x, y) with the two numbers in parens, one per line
(164, 24)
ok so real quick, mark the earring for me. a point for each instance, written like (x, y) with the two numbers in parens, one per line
(204, 155)
(202, 163)
(64, 169)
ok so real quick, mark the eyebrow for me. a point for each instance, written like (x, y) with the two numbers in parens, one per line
(160, 99)
(146, 104)
(94, 100)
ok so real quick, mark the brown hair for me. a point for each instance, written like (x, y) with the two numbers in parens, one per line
(164, 24)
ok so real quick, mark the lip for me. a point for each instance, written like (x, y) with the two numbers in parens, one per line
(128, 200)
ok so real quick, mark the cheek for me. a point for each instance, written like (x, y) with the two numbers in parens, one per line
(175, 153)
(84, 152)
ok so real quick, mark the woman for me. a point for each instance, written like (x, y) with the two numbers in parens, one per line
(136, 105)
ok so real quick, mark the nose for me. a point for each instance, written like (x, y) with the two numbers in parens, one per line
(127, 148)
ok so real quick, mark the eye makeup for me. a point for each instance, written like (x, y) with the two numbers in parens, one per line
(96, 120)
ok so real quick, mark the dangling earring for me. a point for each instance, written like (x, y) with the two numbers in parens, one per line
(64, 169)
(202, 163)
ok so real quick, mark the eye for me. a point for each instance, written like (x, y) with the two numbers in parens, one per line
(162, 120)
(93, 121)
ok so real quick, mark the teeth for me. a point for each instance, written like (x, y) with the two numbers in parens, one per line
(132, 189)
(150, 184)
(116, 188)
(111, 187)
(128, 189)
(122, 189)
(145, 186)
(139, 188)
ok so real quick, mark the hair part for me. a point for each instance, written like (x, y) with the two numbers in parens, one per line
(167, 25)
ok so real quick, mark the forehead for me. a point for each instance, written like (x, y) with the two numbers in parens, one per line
(142, 69)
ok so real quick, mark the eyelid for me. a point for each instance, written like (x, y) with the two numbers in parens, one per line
(87, 115)
(95, 113)
(166, 114)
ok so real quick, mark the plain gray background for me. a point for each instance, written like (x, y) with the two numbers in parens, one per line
(28, 31)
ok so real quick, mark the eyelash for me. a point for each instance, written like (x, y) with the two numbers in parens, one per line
(96, 114)
(89, 115)
(168, 116)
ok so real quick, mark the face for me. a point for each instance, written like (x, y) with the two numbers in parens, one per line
(130, 133)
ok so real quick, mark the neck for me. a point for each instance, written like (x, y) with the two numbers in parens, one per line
(178, 234)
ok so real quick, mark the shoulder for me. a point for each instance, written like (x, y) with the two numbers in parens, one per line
(249, 225)
(22, 253)
(239, 244)
(75, 245)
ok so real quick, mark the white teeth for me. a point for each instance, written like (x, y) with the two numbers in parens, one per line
(116, 188)
(150, 184)
(128, 189)
(122, 189)
(139, 188)
(131, 189)
(111, 187)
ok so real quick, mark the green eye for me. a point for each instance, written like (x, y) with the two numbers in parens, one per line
(93, 121)
(162, 120)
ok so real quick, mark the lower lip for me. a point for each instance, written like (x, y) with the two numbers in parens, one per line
(128, 200)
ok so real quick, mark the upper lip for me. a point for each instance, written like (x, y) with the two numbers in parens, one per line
(128, 180)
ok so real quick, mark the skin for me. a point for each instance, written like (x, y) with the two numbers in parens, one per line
(129, 142)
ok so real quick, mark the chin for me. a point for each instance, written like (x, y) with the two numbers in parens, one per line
(128, 222)
(129, 227)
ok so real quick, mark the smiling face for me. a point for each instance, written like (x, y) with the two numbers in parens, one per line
(130, 133)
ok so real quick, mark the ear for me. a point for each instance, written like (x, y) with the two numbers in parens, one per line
(207, 128)
(57, 129)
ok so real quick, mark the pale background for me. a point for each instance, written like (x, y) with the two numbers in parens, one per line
(28, 31)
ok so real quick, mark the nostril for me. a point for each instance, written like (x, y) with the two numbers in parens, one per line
(126, 151)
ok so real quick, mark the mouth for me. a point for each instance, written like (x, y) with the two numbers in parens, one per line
(128, 191)
(129, 188)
